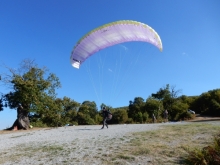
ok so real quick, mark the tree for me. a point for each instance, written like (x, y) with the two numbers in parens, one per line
(87, 113)
(92, 108)
(168, 96)
(208, 103)
(178, 111)
(139, 117)
(145, 116)
(31, 87)
(57, 112)
(161, 95)
(171, 98)
(69, 110)
(135, 107)
(1, 104)
(120, 116)
(153, 106)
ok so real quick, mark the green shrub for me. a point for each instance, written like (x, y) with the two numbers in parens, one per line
(129, 121)
(209, 155)
(38, 124)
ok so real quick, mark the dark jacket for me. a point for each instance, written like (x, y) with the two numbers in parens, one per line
(105, 113)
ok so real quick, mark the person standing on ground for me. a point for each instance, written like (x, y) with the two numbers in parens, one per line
(106, 117)
(154, 118)
(166, 115)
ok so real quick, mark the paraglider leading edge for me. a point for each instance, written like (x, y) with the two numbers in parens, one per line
(112, 34)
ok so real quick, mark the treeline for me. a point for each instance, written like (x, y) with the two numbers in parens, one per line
(35, 89)
(67, 111)
(141, 111)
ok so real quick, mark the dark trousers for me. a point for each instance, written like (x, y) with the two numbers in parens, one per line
(105, 123)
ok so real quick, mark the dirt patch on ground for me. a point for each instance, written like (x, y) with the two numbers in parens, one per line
(199, 118)
(30, 130)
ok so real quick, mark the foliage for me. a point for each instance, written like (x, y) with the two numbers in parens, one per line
(1, 104)
(89, 107)
(56, 112)
(34, 88)
(177, 111)
(130, 121)
(87, 112)
(145, 116)
(139, 117)
(208, 155)
(153, 106)
(135, 107)
(167, 97)
(84, 119)
(30, 86)
(98, 119)
(120, 116)
(69, 110)
(38, 123)
(208, 103)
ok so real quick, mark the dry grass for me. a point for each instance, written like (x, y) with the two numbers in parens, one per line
(169, 144)
(165, 146)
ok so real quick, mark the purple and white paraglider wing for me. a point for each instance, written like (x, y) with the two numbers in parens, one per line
(112, 34)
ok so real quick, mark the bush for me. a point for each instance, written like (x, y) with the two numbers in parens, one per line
(38, 124)
(185, 116)
(120, 116)
(207, 156)
(85, 119)
(139, 118)
(145, 117)
(129, 121)
(73, 123)
(98, 119)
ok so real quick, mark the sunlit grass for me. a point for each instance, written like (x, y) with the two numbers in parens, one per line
(171, 142)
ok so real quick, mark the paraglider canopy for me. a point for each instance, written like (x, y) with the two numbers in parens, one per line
(112, 34)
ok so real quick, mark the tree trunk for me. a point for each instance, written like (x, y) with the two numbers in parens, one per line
(22, 121)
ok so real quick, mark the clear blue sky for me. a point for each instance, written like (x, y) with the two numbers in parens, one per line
(46, 31)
